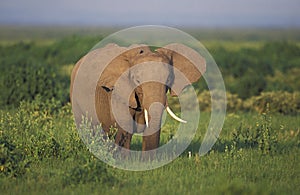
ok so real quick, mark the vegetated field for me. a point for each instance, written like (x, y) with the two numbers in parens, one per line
(257, 151)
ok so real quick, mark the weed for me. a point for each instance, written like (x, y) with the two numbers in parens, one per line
(263, 136)
(99, 143)
(266, 137)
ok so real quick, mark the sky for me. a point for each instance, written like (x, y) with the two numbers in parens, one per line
(199, 13)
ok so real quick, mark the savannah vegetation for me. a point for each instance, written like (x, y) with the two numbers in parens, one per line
(257, 151)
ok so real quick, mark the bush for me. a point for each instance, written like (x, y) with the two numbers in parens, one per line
(288, 81)
(32, 129)
(100, 143)
(250, 85)
(249, 68)
(69, 50)
(282, 55)
(30, 136)
(262, 136)
(28, 69)
(234, 103)
(13, 162)
(279, 102)
(27, 81)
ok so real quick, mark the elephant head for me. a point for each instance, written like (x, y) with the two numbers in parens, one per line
(131, 90)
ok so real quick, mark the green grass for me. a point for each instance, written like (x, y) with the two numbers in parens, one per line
(214, 173)
(230, 167)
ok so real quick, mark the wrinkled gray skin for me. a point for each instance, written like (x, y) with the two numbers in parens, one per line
(139, 79)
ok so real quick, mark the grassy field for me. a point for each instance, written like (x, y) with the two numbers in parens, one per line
(239, 162)
(257, 151)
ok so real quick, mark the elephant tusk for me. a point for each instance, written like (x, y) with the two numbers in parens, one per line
(146, 118)
(174, 116)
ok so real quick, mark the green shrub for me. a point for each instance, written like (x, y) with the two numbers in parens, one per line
(279, 102)
(250, 66)
(260, 135)
(282, 55)
(69, 50)
(101, 144)
(288, 81)
(249, 85)
(266, 136)
(30, 136)
(28, 69)
(27, 81)
(233, 102)
(32, 129)
(13, 162)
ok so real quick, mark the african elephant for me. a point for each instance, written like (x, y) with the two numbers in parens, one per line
(131, 90)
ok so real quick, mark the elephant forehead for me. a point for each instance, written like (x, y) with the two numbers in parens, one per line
(150, 57)
(136, 50)
(151, 71)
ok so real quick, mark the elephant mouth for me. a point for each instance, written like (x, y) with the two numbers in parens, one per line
(138, 103)
(139, 108)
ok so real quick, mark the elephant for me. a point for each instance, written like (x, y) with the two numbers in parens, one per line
(131, 91)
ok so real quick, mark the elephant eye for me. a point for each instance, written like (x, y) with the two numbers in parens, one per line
(135, 80)
(142, 51)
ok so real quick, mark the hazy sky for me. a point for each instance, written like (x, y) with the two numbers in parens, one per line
(209, 13)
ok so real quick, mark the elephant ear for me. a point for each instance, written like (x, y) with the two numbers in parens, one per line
(119, 64)
(84, 80)
(117, 69)
(188, 65)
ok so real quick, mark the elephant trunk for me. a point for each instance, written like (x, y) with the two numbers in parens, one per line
(153, 114)
(154, 102)
(157, 102)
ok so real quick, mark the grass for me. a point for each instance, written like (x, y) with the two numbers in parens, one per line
(228, 168)
(213, 173)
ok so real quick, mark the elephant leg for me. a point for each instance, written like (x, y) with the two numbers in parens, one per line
(150, 142)
(123, 138)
